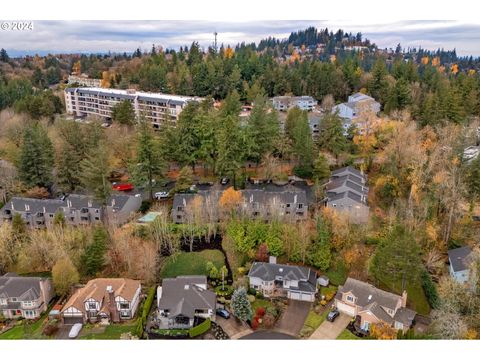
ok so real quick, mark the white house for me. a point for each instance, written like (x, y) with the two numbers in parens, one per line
(356, 105)
(294, 282)
(460, 260)
(103, 300)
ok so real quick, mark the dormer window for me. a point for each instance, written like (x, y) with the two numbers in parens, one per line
(350, 298)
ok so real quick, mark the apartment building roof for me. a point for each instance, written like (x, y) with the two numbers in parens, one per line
(348, 169)
(347, 195)
(354, 186)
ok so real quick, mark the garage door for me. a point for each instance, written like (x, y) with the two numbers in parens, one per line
(71, 320)
(347, 309)
(300, 296)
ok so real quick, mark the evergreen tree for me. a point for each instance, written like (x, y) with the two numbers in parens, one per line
(321, 169)
(241, 307)
(124, 113)
(4, 55)
(303, 146)
(148, 163)
(95, 169)
(378, 85)
(331, 134)
(399, 97)
(319, 254)
(473, 178)
(184, 179)
(93, 260)
(36, 157)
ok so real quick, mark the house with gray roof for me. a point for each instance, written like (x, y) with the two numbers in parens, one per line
(370, 305)
(356, 105)
(286, 204)
(460, 260)
(183, 301)
(347, 193)
(291, 281)
(24, 297)
(285, 103)
(76, 210)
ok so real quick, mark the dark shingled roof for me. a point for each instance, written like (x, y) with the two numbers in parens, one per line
(405, 316)
(347, 194)
(460, 258)
(349, 169)
(22, 288)
(181, 296)
(267, 272)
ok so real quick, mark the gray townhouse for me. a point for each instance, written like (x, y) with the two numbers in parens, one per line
(24, 297)
(76, 209)
(347, 193)
(256, 204)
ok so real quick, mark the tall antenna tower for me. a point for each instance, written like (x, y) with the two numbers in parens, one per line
(215, 43)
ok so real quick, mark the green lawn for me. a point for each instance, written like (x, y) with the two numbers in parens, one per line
(112, 332)
(33, 331)
(337, 273)
(347, 335)
(312, 322)
(260, 303)
(191, 263)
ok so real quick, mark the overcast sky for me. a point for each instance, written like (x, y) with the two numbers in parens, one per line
(120, 36)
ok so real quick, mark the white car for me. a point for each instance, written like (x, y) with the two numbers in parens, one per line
(161, 195)
(75, 330)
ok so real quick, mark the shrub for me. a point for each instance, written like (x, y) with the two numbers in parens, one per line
(259, 295)
(260, 311)
(272, 311)
(251, 298)
(252, 291)
(255, 323)
(200, 329)
(226, 290)
(430, 290)
(323, 302)
(50, 329)
(145, 206)
(145, 311)
(269, 321)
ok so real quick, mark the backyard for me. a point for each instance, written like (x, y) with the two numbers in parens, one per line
(191, 263)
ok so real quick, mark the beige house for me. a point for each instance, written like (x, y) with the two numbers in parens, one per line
(105, 300)
(370, 305)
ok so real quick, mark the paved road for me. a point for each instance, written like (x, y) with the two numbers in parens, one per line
(330, 331)
(293, 318)
(235, 329)
(267, 335)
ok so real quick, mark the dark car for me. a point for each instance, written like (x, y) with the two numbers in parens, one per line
(223, 313)
(332, 315)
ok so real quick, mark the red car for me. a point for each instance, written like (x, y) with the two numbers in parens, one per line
(122, 187)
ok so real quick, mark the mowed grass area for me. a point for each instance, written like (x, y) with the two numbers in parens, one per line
(112, 332)
(312, 322)
(191, 263)
(258, 303)
(29, 331)
(347, 335)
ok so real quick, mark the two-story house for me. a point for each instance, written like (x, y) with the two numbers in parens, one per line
(460, 260)
(25, 297)
(370, 305)
(183, 301)
(103, 299)
(289, 205)
(293, 282)
(76, 210)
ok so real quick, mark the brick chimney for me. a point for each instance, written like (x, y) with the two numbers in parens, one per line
(404, 299)
(112, 306)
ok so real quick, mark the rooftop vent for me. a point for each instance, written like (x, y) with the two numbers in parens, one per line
(369, 297)
(109, 289)
(186, 287)
(281, 269)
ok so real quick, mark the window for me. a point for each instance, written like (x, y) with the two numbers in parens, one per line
(300, 206)
(350, 298)
(14, 299)
(92, 306)
(27, 303)
(124, 306)
(29, 313)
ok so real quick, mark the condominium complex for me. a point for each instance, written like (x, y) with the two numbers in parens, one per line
(83, 80)
(284, 103)
(157, 108)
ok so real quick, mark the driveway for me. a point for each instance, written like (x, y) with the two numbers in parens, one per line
(293, 318)
(63, 331)
(330, 331)
(235, 329)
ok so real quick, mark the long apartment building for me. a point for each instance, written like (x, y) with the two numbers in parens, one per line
(157, 108)
(285, 103)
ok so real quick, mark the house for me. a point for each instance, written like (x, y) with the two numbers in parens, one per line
(460, 260)
(184, 301)
(103, 299)
(25, 297)
(76, 210)
(356, 105)
(370, 305)
(347, 193)
(294, 282)
(288, 204)
(285, 103)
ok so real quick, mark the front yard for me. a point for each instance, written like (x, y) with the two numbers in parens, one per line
(26, 330)
(109, 332)
(191, 263)
(347, 335)
(312, 322)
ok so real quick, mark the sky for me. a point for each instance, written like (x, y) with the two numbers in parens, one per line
(119, 36)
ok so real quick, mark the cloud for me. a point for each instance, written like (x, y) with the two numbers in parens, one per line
(120, 36)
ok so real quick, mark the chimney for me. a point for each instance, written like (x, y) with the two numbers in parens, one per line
(295, 199)
(404, 299)
(13, 207)
(112, 306)
(272, 259)
(89, 203)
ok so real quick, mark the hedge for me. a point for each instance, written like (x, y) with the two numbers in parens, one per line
(171, 332)
(430, 290)
(200, 329)
(145, 311)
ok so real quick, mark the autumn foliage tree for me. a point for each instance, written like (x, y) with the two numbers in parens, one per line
(230, 200)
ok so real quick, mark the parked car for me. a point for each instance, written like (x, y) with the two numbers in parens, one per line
(223, 313)
(162, 195)
(225, 181)
(122, 186)
(332, 315)
(75, 330)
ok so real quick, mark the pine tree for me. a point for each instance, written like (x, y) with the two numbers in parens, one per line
(303, 146)
(378, 85)
(95, 172)
(321, 169)
(319, 254)
(148, 163)
(331, 134)
(473, 178)
(36, 157)
(124, 113)
(241, 307)
(93, 259)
